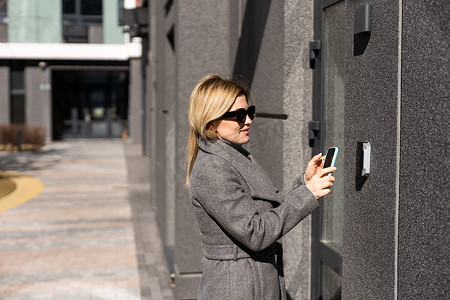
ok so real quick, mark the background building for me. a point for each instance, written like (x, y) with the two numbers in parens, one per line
(322, 73)
(64, 65)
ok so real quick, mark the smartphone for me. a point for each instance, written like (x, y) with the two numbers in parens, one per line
(330, 157)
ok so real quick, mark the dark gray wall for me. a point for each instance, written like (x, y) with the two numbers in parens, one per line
(272, 54)
(135, 101)
(297, 95)
(162, 105)
(259, 59)
(371, 108)
(395, 240)
(5, 117)
(423, 244)
(248, 38)
(169, 137)
(202, 46)
(158, 123)
(395, 95)
(149, 109)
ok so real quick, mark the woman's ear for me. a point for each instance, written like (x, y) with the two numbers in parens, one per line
(212, 126)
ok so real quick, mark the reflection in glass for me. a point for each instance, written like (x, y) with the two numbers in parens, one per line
(331, 284)
(334, 54)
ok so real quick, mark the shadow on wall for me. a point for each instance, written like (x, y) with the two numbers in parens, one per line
(253, 26)
(360, 42)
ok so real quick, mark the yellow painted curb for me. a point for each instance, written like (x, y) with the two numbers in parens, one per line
(6, 186)
(26, 189)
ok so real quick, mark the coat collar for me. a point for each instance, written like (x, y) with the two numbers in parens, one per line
(260, 185)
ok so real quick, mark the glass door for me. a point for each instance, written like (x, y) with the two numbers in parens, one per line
(89, 103)
(329, 111)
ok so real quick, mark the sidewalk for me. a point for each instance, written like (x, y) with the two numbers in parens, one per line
(90, 234)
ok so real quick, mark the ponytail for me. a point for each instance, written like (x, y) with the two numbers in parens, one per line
(192, 151)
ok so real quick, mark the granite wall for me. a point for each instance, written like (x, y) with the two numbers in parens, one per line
(297, 105)
(371, 115)
(396, 95)
(394, 222)
(423, 240)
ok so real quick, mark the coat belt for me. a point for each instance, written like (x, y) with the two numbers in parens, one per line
(233, 252)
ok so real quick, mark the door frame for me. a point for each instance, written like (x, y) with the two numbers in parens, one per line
(320, 252)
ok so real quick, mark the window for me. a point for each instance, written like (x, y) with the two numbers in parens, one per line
(3, 11)
(82, 21)
(328, 107)
(91, 8)
(69, 6)
(84, 7)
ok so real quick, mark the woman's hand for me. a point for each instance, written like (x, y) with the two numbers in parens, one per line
(320, 183)
(313, 166)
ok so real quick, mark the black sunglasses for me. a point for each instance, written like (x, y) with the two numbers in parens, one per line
(241, 114)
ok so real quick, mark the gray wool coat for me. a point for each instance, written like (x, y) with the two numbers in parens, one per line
(241, 215)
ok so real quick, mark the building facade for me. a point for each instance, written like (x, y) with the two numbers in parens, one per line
(366, 76)
(64, 65)
(369, 77)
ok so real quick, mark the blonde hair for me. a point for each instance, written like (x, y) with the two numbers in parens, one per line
(211, 98)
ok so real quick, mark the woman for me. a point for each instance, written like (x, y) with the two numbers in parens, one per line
(240, 213)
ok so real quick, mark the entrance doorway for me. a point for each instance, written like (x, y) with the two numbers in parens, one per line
(89, 103)
(328, 111)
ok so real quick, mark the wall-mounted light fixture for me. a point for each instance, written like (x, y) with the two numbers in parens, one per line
(362, 19)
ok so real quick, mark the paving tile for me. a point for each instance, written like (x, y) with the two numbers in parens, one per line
(79, 238)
